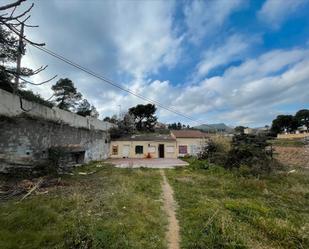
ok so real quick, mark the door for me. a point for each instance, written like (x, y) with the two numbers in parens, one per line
(126, 151)
(161, 150)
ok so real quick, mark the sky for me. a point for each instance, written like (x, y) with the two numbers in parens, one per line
(239, 62)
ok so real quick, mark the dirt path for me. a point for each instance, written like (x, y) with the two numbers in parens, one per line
(172, 234)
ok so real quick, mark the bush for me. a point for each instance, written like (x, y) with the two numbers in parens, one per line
(250, 150)
(199, 164)
(215, 151)
(31, 96)
(249, 154)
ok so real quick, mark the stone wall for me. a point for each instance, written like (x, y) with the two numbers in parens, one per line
(26, 137)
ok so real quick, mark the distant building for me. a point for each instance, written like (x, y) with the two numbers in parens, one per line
(256, 131)
(159, 125)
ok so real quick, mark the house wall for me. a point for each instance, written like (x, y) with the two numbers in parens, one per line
(191, 143)
(146, 145)
(198, 143)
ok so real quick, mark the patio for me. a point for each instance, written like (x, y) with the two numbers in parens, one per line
(155, 163)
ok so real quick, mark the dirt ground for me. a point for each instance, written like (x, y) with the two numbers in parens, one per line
(172, 235)
(293, 156)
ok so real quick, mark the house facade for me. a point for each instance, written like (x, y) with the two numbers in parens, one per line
(173, 145)
(189, 142)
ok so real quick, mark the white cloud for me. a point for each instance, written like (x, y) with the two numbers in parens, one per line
(128, 41)
(203, 18)
(234, 48)
(274, 12)
(145, 37)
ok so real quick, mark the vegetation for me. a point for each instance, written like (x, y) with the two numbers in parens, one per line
(240, 129)
(66, 94)
(112, 208)
(287, 142)
(85, 109)
(250, 151)
(178, 126)
(31, 96)
(290, 123)
(220, 209)
(144, 117)
(302, 117)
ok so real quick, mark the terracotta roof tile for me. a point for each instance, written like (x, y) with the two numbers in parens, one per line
(188, 134)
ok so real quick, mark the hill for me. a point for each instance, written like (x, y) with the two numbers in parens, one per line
(214, 127)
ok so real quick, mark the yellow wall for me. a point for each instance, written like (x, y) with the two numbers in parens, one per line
(198, 143)
(146, 145)
(130, 145)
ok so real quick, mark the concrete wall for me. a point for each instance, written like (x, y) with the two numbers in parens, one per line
(10, 106)
(25, 137)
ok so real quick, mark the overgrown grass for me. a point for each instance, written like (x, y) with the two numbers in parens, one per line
(112, 208)
(220, 209)
(287, 142)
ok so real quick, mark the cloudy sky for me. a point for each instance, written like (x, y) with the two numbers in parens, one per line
(234, 61)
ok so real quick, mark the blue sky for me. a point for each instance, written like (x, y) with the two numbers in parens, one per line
(234, 61)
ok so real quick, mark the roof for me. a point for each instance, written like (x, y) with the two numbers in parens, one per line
(146, 137)
(188, 134)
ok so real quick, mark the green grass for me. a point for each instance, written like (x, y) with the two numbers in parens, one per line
(112, 208)
(122, 208)
(287, 142)
(218, 209)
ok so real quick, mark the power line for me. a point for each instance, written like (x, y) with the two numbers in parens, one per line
(106, 80)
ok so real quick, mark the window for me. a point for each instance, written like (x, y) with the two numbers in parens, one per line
(139, 149)
(170, 149)
(183, 149)
(115, 150)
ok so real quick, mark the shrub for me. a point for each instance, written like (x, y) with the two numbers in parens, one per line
(56, 154)
(250, 150)
(31, 96)
(199, 164)
(215, 151)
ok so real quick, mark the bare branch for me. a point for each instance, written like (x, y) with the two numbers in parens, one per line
(11, 5)
(40, 69)
(17, 33)
(13, 11)
(20, 15)
(38, 84)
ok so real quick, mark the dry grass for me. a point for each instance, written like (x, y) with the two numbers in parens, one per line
(113, 208)
(218, 209)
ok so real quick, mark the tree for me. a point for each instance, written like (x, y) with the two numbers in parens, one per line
(113, 119)
(239, 129)
(302, 117)
(66, 94)
(284, 123)
(144, 117)
(85, 109)
(12, 40)
(177, 126)
(125, 126)
(13, 77)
